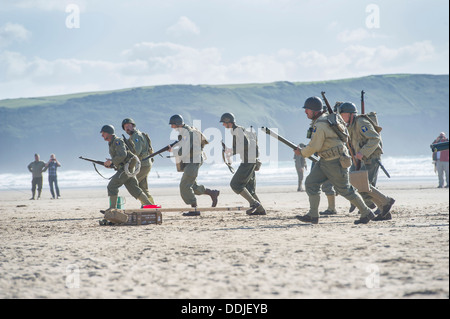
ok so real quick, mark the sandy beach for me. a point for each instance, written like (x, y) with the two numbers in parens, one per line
(56, 248)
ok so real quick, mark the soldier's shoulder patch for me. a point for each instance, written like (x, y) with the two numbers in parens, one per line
(314, 129)
(117, 142)
(136, 140)
(364, 128)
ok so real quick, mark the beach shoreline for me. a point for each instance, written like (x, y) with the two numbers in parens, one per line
(56, 248)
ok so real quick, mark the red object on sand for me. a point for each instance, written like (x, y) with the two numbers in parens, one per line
(151, 206)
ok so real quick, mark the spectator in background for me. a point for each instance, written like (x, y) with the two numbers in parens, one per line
(440, 160)
(300, 166)
(52, 165)
(36, 168)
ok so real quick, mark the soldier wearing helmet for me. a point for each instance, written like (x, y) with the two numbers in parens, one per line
(366, 141)
(329, 147)
(120, 155)
(189, 156)
(244, 179)
(141, 145)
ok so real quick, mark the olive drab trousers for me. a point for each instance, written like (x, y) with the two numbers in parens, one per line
(119, 179)
(244, 177)
(338, 176)
(188, 184)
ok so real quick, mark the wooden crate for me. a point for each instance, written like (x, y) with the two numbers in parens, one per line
(144, 217)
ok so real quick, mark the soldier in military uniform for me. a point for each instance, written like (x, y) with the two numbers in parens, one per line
(189, 157)
(330, 148)
(120, 155)
(36, 168)
(367, 144)
(244, 180)
(140, 145)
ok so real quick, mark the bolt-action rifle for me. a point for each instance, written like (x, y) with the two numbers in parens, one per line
(164, 149)
(96, 162)
(286, 142)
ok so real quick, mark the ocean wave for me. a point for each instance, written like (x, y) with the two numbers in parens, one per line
(275, 173)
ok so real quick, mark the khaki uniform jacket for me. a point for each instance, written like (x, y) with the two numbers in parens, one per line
(364, 138)
(189, 147)
(141, 147)
(323, 139)
(118, 151)
(246, 147)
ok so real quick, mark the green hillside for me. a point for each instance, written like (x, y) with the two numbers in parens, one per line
(412, 110)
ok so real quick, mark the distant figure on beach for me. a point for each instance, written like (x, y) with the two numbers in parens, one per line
(300, 166)
(52, 165)
(36, 168)
(440, 160)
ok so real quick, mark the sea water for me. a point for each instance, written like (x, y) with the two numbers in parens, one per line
(401, 169)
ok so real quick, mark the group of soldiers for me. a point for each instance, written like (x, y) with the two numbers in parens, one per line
(358, 135)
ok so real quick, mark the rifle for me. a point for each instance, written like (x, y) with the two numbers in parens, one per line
(362, 102)
(286, 142)
(330, 110)
(99, 163)
(223, 157)
(96, 162)
(164, 149)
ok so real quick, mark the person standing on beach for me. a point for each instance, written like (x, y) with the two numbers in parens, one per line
(189, 157)
(440, 159)
(300, 167)
(52, 165)
(120, 156)
(244, 179)
(329, 147)
(366, 141)
(141, 145)
(36, 168)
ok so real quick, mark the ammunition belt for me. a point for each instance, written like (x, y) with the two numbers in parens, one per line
(332, 153)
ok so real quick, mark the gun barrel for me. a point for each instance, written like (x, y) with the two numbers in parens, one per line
(286, 142)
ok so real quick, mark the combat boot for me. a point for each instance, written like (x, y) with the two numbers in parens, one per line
(366, 214)
(331, 210)
(308, 219)
(194, 212)
(385, 211)
(214, 193)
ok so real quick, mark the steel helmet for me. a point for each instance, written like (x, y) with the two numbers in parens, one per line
(176, 119)
(227, 118)
(313, 103)
(108, 129)
(128, 121)
(348, 107)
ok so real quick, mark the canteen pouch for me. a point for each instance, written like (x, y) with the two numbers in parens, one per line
(345, 158)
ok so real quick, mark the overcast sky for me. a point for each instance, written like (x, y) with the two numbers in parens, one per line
(52, 47)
